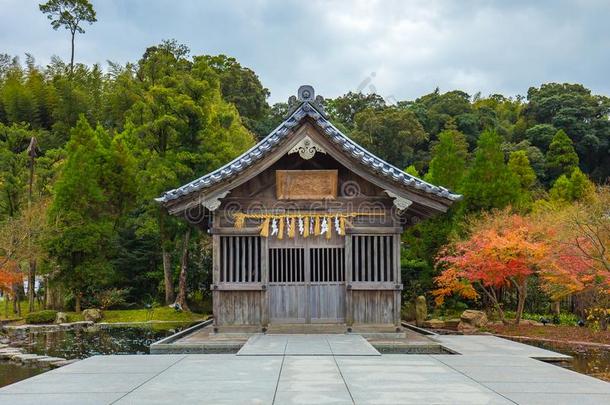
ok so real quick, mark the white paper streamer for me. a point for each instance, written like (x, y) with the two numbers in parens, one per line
(274, 228)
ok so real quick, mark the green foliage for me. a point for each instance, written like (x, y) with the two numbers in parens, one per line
(561, 157)
(94, 190)
(342, 110)
(541, 135)
(46, 316)
(112, 298)
(412, 171)
(519, 164)
(576, 187)
(390, 133)
(242, 87)
(69, 14)
(489, 183)
(448, 162)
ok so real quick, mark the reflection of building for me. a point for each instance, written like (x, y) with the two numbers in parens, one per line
(306, 226)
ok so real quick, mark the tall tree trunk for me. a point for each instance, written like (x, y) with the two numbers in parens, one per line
(72, 55)
(521, 296)
(181, 299)
(31, 284)
(168, 276)
(32, 153)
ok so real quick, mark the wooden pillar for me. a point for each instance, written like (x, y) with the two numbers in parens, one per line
(349, 306)
(264, 281)
(215, 270)
(397, 279)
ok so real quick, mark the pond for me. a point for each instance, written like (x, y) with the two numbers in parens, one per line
(592, 361)
(83, 343)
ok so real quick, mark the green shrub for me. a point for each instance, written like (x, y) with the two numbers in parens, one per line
(46, 316)
(113, 298)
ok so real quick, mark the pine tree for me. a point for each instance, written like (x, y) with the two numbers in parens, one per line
(489, 183)
(561, 157)
(449, 156)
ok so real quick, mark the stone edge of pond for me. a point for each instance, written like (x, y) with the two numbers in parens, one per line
(17, 355)
(588, 345)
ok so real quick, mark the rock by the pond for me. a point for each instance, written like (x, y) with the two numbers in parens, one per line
(452, 323)
(61, 317)
(471, 321)
(92, 314)
(530, 322)
(434, 324)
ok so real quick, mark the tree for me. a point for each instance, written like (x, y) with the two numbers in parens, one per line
(502, 251)
(519, 165)
(342, 110)
(541, 135)
(391, 134)
(582, 115)
(180, 127)
(242, 87)
(579, 257)
(93, 192)
(561, 157)
(448, 162)
(69, 14)
(489, 183)
(576, 187)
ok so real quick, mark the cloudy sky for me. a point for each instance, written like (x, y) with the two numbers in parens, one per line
(400, 49)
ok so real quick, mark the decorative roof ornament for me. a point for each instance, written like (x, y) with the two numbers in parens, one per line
(306, 148)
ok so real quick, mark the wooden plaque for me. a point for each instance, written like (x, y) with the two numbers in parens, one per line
(306, 184)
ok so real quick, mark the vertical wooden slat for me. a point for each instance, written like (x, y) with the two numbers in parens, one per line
(375, 267)
(257, 270)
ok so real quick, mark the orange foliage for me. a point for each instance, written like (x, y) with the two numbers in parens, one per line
(9, 274)
(503, 249)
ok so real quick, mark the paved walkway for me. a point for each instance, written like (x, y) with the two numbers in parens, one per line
(312, 345)
(476, 378)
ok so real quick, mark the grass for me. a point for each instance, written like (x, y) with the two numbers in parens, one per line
(117, 315)
(143, 315)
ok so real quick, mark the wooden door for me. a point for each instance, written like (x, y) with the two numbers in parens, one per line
(306, 280)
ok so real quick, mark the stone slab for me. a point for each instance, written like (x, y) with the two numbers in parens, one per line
(476, 378)
(494, 346)
(308, 345)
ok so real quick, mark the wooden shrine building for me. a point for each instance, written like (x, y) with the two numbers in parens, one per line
(306, 226)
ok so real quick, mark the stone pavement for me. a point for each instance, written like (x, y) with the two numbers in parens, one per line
(481, 377)
(313, 345)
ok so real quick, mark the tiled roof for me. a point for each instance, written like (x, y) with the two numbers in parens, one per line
(265, 146)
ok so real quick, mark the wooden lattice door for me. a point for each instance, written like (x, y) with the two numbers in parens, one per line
(306, 280)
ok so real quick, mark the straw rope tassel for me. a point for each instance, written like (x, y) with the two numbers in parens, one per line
(291, 230)
(280, 233)
(316, 226)
(329, 228)
(265, 228)
(240, 219)
(305, 227)
(342, 226)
